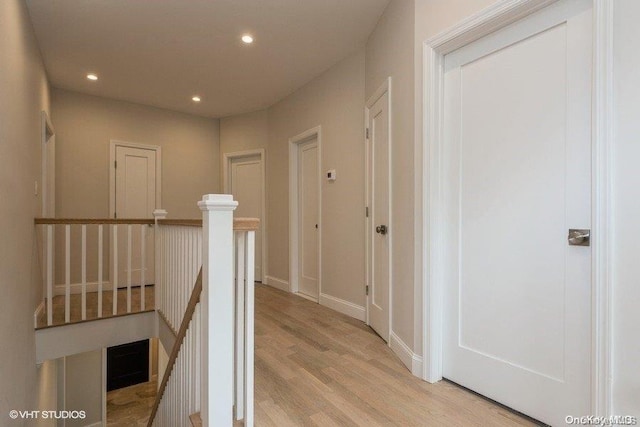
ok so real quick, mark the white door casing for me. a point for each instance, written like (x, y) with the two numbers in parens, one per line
(135, 192)
(516, 169)
(296, 210)
(378, 197)
(48, 183)
(308, 179)
(244, 178)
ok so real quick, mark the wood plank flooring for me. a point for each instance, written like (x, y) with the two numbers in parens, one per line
(314, 366)
(131, 406)
(92, 305)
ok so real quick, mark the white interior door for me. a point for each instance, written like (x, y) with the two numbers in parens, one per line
(308, 214)
(379, 241)
(246, 185)
(135, 197)
(517, 299)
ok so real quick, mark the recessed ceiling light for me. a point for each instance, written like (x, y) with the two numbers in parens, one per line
(92, 76)
(196, 98)
(247, 39)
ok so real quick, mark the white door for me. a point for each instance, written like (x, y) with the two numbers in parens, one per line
(246, 184)
(135, 197)
(378, 224)
(308, 209)
(517, 297)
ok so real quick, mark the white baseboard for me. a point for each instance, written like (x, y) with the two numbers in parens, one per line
(342, 306)
(283, 285)
(76, 288)
(411, 360)
(36, 313)
(98, 424)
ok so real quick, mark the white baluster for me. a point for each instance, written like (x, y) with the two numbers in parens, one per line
(129, 253)
(143, 259)
(239, 335)
(67, 273)
(100, 243)
(84, 271)
(49, 275)
(249, 328)
(217, 310)
(115, 269)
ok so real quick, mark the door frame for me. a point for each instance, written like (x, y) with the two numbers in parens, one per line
(493, 18)
(385, 87)
(112, 171)
(226, 181)
(294, 147)
(48, 135)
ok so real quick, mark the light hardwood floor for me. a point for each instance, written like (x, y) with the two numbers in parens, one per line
(318, 367)
(92, 305)
(131, 406)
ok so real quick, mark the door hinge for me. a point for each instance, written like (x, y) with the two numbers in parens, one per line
(115, 164)
(366, 290)
(367, 132)
(366, 211)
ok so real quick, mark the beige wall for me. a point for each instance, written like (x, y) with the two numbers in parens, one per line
(83, 387)
(86, 124)
(244, 132)
(335, 101)
(626, 210)
(23, 95)
(390, 52)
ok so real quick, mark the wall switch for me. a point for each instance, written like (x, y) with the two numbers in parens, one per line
(331, 175)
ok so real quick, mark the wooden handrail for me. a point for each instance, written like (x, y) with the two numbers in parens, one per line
(182, 332)
(64, 221)
(239, 224)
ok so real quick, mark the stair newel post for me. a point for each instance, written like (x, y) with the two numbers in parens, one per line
(217, 301)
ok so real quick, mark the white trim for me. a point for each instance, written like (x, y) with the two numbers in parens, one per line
(36, 313)
(76, 288)
(601, 211)
(104, 387)
(385, 87)
(112, 171)
(412, 361)
(96, 424)
(342, 306)
(274, 282)
(479, 25)
(226, 180)
(294, 144)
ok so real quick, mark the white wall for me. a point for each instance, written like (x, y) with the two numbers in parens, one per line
(390, 52)
(23, 95)
(47, 390)
(85, 125)
(335, 101)
(626, 210)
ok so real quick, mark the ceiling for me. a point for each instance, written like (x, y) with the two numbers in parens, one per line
(163, 52)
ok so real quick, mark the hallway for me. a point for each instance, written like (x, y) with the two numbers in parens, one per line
(314, 366)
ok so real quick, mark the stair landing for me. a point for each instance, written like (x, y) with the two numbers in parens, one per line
(92, 306)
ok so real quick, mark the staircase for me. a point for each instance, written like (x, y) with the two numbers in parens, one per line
(200, 303)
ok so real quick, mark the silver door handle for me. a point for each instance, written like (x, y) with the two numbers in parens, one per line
(579, 237)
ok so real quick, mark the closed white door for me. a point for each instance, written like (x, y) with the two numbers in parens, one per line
(518, 175)
(378, 224)
(308, 214)
(135, 197)
(246, 185)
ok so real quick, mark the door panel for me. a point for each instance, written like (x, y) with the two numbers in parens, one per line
(127, 365)
(517, 147)
(379, 242)
(135, 198)
(246, 187)
(308, 176)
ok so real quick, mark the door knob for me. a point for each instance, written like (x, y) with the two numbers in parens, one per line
(579, 237)
(381, 229)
